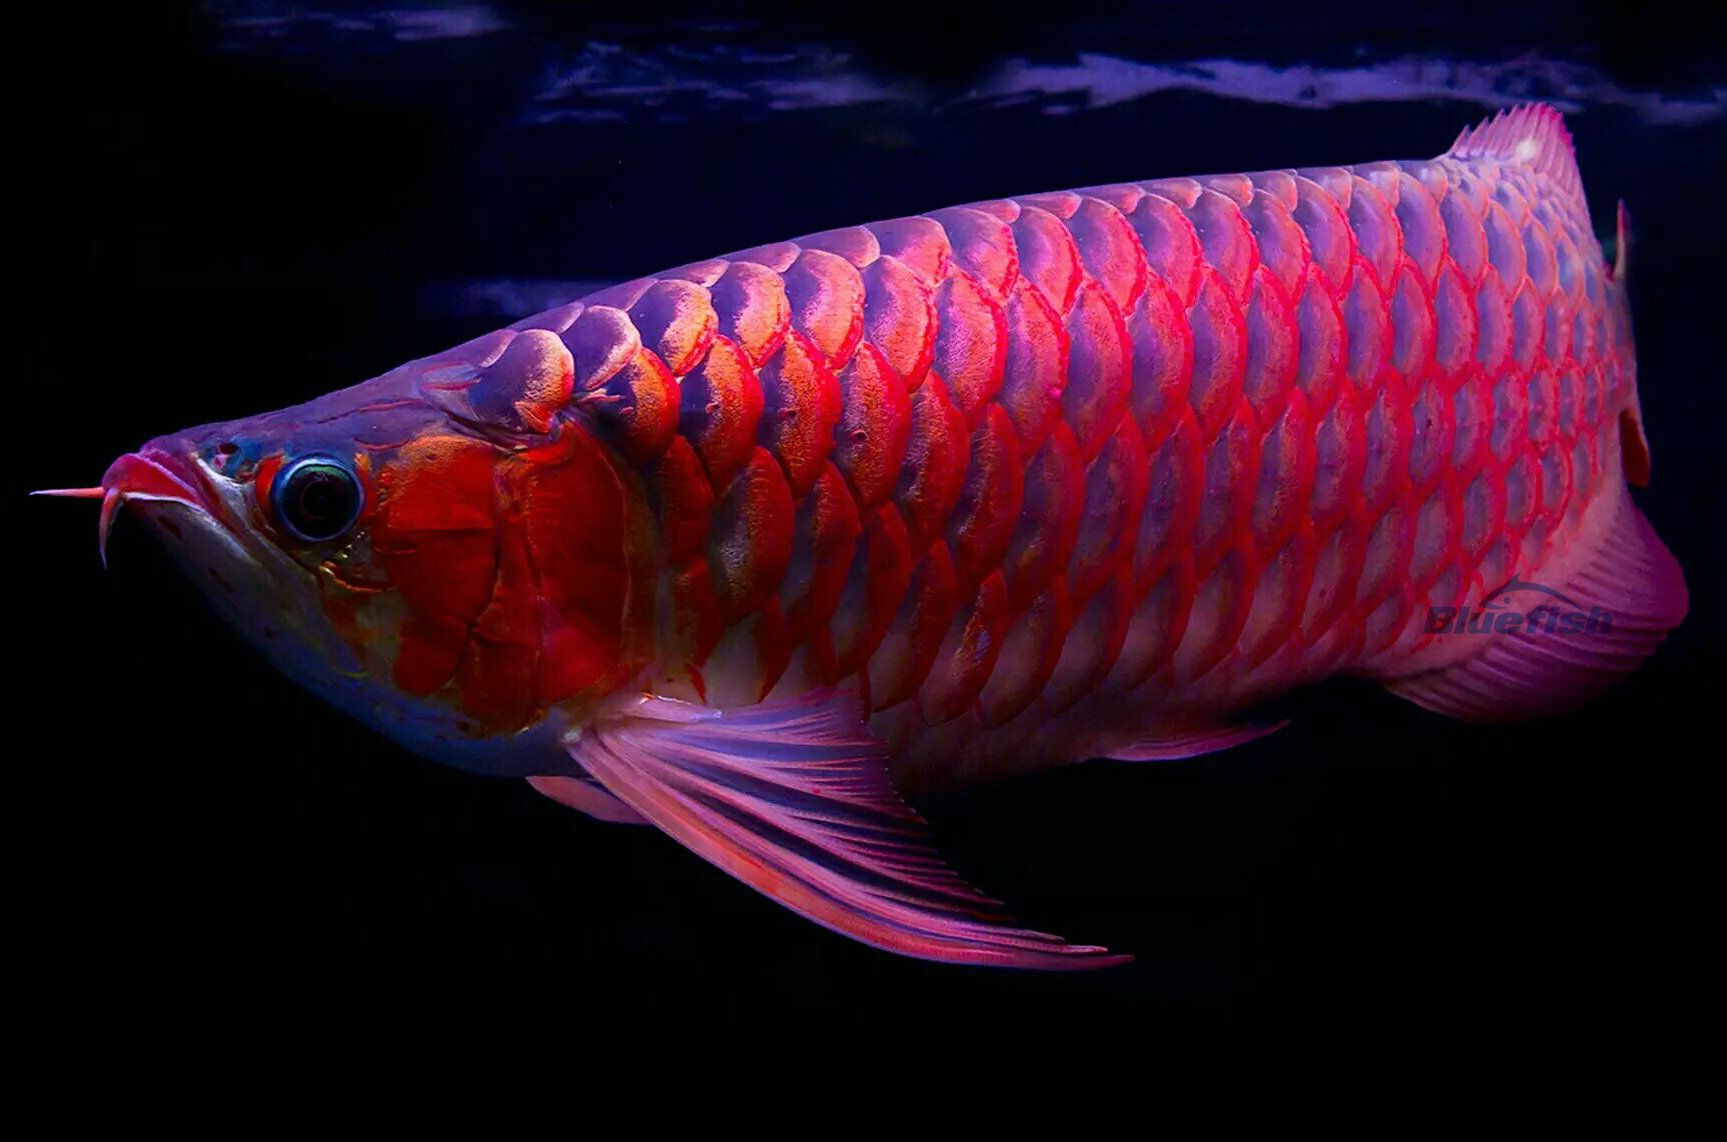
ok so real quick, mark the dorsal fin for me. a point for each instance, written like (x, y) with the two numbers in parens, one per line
(1530, 134)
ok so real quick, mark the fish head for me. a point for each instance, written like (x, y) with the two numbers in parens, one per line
(450, 552)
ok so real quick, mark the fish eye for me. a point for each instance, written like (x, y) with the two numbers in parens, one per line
(317, 498)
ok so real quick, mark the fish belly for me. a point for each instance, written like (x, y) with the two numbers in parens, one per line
(1041, 476)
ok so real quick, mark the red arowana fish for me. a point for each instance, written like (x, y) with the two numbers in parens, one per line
(746, 549)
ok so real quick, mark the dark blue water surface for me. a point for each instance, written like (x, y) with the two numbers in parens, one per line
(250, 204)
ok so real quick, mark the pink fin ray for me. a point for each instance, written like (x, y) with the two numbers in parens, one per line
(1193, 743)
(1530, 134)
(1632, 580)
(586, 796)
(793, 798)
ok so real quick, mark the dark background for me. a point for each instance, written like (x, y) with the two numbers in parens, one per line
(223, 219)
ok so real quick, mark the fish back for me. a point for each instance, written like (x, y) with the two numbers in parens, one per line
(1031, 471)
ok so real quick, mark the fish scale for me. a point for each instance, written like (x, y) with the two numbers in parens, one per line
(752, 549)
(1343, 395)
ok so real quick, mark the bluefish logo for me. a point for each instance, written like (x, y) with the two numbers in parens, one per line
(1554, 612)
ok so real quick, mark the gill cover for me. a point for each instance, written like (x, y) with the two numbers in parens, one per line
(514, 545)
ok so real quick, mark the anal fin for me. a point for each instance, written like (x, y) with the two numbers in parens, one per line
(1175, 746)
(1610, 615)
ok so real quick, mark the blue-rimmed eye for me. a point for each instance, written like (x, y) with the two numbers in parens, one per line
(317, 498)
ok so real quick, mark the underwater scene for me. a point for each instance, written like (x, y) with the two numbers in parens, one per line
(1293, 595)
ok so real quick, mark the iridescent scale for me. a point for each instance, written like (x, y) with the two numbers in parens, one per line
(1123, 448)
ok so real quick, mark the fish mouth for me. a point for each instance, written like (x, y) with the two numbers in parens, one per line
(154, 475)
(261, 590)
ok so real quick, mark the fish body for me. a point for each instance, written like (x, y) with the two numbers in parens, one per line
(750, 548)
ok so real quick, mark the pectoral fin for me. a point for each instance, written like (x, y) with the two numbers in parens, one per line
(793, 798)
(586, 796)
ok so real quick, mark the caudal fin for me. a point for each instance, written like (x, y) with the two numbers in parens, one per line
(1623, 601)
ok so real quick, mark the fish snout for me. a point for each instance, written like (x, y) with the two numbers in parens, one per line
(165, 470)
(159, 471)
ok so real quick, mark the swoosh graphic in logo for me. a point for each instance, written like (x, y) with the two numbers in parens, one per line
(1494, 601)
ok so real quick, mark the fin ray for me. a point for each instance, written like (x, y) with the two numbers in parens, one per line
(1531, 134)
(1632, 579)
(586, 796)
(1193, 742)
(792, 797)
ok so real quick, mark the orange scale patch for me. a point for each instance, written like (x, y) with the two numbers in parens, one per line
(1282, 245)
(499, 670)
(1162, 346)
(1048, 256)
(639, 407)
(720, 405)
(1035, 369)
(1111, 252)
(874, 428)
(1227, 240)
(900, 319)
(826, 294)
(1219, 354)
(1099, 372)
(1273, 350)
(824, 544)
(933, 471)
(570, 508)
(982, 245)
(676, 320)
(435, 538)
(1330, 241)
(698, 618)
(683, 498)
(1377, 236)
(971, 343)
(1170, 243)
(1454, 321)
(601, 342)
(919, 243)
(802, 403)
(751, 542)
(750, 302)
(1320, 342)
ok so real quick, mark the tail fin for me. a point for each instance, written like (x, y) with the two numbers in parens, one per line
(1530, 134)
